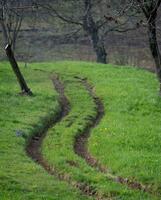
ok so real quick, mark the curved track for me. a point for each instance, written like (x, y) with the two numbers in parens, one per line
(34, 144)
(80, 145)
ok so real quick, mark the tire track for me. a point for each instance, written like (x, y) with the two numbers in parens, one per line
(80, 145)
(34, 144)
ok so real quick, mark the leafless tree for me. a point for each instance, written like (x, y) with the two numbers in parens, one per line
(11, 15)
(149, 10)
(90, 16)
(11, 19)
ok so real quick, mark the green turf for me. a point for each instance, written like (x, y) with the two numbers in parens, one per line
(127, 140)
(20, 177)
(109, 80)
(58, 146)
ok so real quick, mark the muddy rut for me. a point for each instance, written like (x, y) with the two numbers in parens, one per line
(33, 148)
(34, 143)
(80, 145)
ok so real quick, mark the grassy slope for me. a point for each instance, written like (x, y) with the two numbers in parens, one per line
(131, 126)
(58, 146)
(20, 177)
(122, 139)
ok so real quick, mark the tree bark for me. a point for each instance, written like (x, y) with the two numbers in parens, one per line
(92, 28)
(154, 47)
(14, 65)
(99, 48)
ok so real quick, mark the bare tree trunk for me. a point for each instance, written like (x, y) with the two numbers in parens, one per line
(99, 48)
(101, 54)
(20, 78)
(92, 28)
(97, 43)
(14, 44)
(154, 47)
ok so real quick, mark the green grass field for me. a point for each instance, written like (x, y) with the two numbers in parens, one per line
(127, 140)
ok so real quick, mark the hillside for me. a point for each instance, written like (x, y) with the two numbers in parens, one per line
(118, 110)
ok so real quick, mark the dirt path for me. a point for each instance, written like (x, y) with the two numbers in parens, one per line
(33, 148)
(80, 146)
(34, 143)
